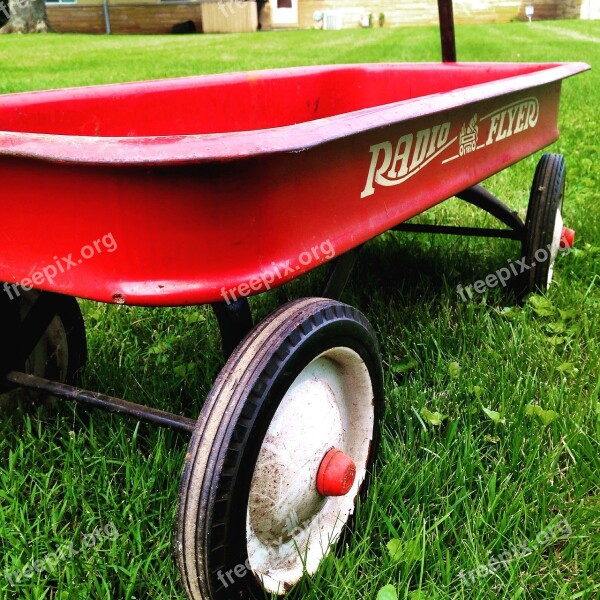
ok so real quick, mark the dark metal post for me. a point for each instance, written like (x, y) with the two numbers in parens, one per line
(447, 30)
(235, 321)
(340, 273)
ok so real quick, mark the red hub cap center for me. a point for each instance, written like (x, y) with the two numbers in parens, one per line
(336, 474)
(567, 238)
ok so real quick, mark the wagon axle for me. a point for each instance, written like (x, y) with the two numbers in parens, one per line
(335, 477)
(140, 412)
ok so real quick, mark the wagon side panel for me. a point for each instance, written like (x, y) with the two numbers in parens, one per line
(220, 231)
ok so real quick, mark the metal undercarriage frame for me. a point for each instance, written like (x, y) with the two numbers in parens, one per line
(478, 196)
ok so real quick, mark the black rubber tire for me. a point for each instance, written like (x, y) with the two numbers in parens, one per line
(61, 352)
(215, 485)
(545, 201)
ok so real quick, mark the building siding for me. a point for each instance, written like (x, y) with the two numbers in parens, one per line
(133, 16)
(124, 18)
(425, 12)
(553, 9)
(229, 16)
(407, 12)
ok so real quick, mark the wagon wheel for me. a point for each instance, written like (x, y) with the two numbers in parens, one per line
(544, 231)
(44, 334)
(281, 450)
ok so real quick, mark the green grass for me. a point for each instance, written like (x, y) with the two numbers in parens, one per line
(453, 495)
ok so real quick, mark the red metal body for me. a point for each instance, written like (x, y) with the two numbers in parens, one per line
(224, 186)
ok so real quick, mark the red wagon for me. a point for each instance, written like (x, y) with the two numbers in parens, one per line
(212, 189)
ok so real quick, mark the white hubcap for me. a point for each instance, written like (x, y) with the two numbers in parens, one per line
(290, 526)
(555, 247)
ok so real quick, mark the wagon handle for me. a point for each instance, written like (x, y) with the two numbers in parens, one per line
(447, 30)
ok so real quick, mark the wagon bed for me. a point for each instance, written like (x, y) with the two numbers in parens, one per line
(211, 183)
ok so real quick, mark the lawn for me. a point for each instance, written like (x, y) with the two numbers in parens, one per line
(446, 498)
